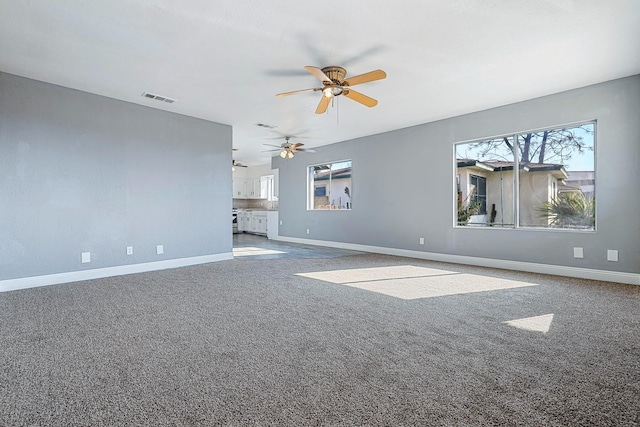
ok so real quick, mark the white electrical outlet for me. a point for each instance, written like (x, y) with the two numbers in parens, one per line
(578, 253)
(422, 240)
(612, 255)
(280, 222)
(86, 257)
(160, 249)
(307, 231)
(129, 250)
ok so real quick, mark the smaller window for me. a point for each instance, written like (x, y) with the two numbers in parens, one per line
(330, 186)
(479, 192)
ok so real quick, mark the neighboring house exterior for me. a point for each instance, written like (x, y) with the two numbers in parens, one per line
(491, 184)
(330, 189)
(580, 181)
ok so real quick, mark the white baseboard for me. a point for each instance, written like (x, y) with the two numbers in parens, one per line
(556, 270)
(98, 273)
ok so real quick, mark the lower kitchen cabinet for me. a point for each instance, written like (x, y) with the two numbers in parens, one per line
(253, 222)
(242, 221)
(260, 222)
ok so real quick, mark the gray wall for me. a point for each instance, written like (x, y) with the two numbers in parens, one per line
(403, 184)
(85, 173)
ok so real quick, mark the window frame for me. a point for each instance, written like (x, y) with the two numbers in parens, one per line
(311, 188)
(516, 179)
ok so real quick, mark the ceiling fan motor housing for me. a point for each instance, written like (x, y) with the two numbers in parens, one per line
(335, 73)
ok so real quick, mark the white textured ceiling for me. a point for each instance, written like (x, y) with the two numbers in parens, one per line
(225, 60)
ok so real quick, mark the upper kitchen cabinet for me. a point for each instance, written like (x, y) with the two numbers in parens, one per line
(246, 188)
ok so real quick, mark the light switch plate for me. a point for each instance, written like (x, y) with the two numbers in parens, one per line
(612, 255)
(578, 253)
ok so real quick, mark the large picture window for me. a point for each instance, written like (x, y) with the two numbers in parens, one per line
(554, 187)
(330, 186)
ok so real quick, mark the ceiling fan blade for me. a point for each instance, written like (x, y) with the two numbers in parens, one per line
(366, 77)
(358, 97)
(267, 151)
(297, 144)
(271, 145)
(322, 106)
(318, 73)
(280, 95)
(303, 134)
(306, 150)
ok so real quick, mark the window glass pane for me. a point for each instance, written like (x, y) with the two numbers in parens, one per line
(557, 178)
(330, 186)
(485, 193)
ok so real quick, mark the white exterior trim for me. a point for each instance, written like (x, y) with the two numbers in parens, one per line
(556, 270)
(98, 273)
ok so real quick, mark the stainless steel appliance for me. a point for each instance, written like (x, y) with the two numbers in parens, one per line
(234, 220)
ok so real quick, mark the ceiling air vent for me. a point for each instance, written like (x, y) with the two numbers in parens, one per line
(158, 97)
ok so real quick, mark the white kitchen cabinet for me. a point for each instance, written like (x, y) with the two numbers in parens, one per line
(241, 221)
(238, 188)
(246, 188)
(252, 188)
(252, 222)
(260, 222)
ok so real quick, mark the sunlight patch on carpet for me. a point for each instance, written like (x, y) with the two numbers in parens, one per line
(249, 251)
(411, 282)
(535, 324)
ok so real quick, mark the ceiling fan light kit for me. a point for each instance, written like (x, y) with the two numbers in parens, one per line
(287, 153)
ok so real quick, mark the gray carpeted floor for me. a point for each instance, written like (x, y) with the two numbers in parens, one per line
(250, 342)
